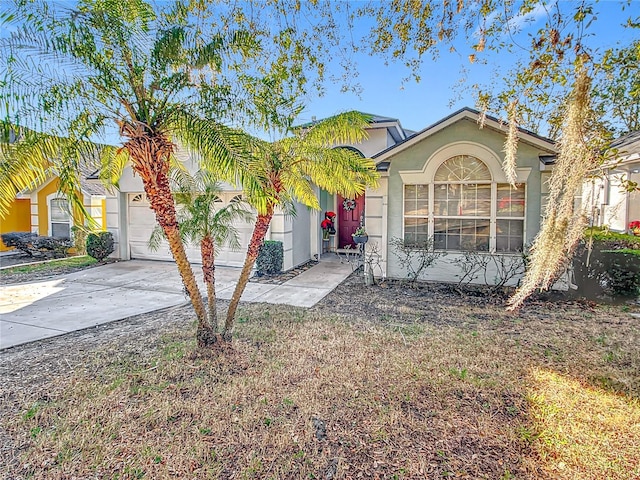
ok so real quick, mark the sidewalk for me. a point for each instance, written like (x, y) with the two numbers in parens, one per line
(34, 311)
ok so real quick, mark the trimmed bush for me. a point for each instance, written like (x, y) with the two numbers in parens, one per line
(612, 240)
(622, 277)
(611, 268)
(100, 245)
(17, 239)
(36, 246)
(270, 258)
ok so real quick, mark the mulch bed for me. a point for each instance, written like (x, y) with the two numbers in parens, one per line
(283, 277)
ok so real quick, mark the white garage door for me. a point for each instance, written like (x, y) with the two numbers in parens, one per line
(142, 221)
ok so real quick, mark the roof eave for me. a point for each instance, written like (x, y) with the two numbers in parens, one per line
(469, 114)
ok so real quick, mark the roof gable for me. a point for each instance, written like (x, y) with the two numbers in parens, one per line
(628, 145)
(466, 113)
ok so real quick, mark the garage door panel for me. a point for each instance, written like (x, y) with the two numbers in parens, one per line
(142, 222)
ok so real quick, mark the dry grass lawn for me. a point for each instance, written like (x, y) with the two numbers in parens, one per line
(375, 382)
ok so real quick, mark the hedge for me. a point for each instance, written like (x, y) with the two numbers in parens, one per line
(100, 245)
(610, 268)
(270, 258)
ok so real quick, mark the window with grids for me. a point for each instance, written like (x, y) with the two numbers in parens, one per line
(468, 210)
(60, 218)
(510, 218)
(462, 205)
(416, 214)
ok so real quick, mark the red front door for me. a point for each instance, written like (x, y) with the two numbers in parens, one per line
(349, 219)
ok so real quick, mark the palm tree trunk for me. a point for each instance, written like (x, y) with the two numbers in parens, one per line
(259, 232)
(149, 153)
(208, 272)
(205, 334)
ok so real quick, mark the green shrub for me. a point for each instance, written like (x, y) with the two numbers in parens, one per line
(611, 267)
(100, 245)
(39, 247)
(623, 272)
(270, 258)
(612, 240)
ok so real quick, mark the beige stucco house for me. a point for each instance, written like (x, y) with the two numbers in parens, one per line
(444, 183)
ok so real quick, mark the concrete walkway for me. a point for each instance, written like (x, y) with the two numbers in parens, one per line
(47, 308)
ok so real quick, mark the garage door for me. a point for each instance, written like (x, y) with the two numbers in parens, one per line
(142, 221)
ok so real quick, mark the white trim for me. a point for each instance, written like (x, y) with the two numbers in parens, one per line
(426, 177)
(431, 165)
(55, 196)
(465, 115)
(36, 190)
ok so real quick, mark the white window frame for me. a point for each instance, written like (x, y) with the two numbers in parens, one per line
(427, 216)
(50, 199)
(413, 178)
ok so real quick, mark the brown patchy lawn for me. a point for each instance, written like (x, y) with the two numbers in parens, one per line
(375, 382)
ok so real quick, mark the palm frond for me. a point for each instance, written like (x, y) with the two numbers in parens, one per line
(223, 150)
(156, 239)
(32, 157)
(345, 128)
(337, 170)
(112, 163)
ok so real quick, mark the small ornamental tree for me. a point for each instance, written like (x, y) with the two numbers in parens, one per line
(203, 223)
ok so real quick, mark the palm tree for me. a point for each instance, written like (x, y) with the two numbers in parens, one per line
(76, 70)
(288, 170)
(202, 222)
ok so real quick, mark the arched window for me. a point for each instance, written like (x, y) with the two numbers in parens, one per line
(464, 208)
(462, 205)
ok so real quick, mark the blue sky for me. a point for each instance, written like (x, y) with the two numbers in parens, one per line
(440, 92)
(442, 89)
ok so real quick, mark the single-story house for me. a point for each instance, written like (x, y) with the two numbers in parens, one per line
(445, 182)
(131, 220)
(45, 211)
(609, 202)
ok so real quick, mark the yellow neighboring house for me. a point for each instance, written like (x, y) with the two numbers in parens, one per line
(45, 211)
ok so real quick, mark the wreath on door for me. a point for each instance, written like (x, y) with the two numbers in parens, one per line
(349, 204)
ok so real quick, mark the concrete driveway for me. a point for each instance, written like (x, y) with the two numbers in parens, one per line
(47, 308)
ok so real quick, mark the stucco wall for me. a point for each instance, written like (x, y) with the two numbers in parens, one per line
(301, 235)
(40, 224)
(17, 220)
(378, 140)
(415, 159)
(619, 205)
(634, 200)
(376, 203)
(281, 229)
(294, 233)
